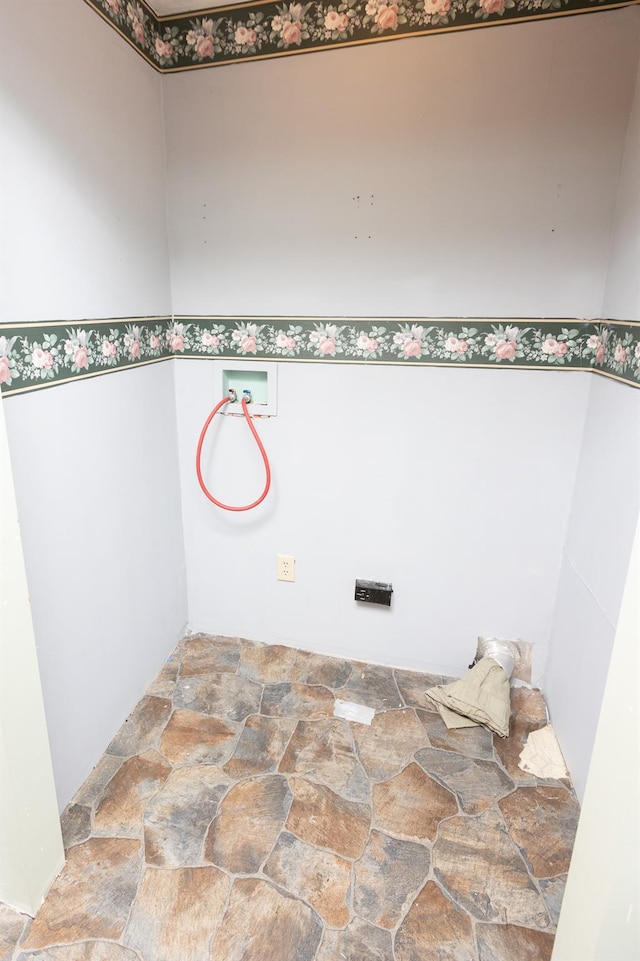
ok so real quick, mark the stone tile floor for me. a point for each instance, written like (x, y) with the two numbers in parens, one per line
(233, 818)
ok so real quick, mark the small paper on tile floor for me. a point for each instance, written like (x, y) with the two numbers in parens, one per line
(541, 755)
(353, 712)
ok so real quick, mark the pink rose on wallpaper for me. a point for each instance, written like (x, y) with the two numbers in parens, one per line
(108, 348)
(369, 344)
(80, 357)
(164, 48)
(600, 354)
(245, 37)
(134, 349)
(292, 31)
(549, 346)
(492, 6)
(38, 357)
(412, 347)
(210, 340)
(154, 342)
(387, 16)
(176, 342)
(505, 349)
(336, 21)
(138, 31)
(205, 46)
(455, 346)
(437, 7)
(285, 342)
(248, 345)
(327, 346)
(115, 5)
(560, 349)
(620, 354)
(5, 374)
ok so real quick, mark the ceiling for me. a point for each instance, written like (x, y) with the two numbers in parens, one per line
(166, 8)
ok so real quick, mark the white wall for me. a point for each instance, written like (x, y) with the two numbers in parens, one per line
(83, 206)
(459, 497)
(622, 291)
(600, 916)
(98, 494)
(595, 556)
(84, 235)
(486, 165)
(605, 504)
(31, 852)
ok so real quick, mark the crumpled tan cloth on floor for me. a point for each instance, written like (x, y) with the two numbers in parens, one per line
(483, 696)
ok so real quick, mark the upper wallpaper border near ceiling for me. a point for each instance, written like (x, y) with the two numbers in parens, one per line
(36, 355)
(257, 31)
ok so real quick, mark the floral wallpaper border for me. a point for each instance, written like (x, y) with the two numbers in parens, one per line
(256, 31)
(36, 355)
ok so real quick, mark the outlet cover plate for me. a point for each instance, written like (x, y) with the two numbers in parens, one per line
(286, 567)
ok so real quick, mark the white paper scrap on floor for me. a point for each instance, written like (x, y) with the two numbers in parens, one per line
(542, 756)
(353, 712)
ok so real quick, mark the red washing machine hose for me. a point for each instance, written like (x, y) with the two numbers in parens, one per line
(203, 432)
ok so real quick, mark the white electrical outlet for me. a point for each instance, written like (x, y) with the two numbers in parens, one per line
(286, 567)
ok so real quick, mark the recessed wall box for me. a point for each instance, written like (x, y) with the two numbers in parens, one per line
(374, 592)
(260, 379)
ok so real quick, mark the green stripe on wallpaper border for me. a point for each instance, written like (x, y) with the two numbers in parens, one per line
(242, 32)
(45, 354)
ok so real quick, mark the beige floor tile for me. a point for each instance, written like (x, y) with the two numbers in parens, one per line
(177, 818)
(262, 923)
(248, 823)
(176, 912)
(321, 878)
(192, 738)
(322, 817)
(412, 804)
(121, 808)
(434, 928)
(92, 896)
